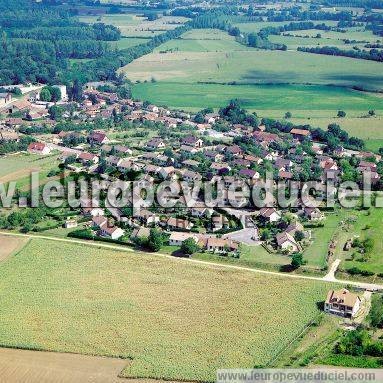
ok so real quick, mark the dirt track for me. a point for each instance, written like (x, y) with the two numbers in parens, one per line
(9, 245)
(23, 366)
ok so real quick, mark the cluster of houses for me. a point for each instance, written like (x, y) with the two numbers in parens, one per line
(192, 158)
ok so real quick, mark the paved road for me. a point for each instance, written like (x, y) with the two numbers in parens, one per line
(369, 286)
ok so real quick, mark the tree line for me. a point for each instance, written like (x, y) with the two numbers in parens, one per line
(372, 54)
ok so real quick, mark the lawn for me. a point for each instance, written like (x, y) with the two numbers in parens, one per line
(265, 99)
(316, 253)
(369, 224)
(173, 319)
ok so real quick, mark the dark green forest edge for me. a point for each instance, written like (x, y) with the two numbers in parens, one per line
(39, 39)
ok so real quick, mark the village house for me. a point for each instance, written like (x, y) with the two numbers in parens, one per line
(270, 214)
(199, 210)
(234, 150)
(211, 118)
(88, 158)
(168, 173)
(5, 98)
(155, 143)
(112, 232)
(147, 217)
(219, 222)
(140, 233)
(213, 156)
(178, 238)
(9, 135)
(249, 174)
(106, 229)
(220, 168)
(365, 166)
(300, 134)
(312, 213)
(122, 150)
(113, 161)
(20, 106)
(342, 303)
(192, 141)
(178, 224)
(70, 223)
(98, 138)
(286, 242)
(190, 164)
(38, 148)
(294, 227)
(220, 245)
(190, 176)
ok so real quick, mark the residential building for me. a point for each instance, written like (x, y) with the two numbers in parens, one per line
(343, 303)
(38, 148)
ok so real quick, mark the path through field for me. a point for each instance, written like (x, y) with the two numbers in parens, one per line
(21, 366)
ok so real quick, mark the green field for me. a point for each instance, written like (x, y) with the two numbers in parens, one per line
(19, 168)
(280, 98)
(137, 26)
(209, 68)
(82, 299)
(14, 166)
(256, 66)
(316, 253)
(125, 43)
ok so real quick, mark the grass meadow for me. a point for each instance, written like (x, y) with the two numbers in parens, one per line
(20, 166)
(135, 25)
(267, 100)
(252, 66)
(171, 319)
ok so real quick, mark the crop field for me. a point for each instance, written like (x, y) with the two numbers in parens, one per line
(137, 26)
(9, 245)
(149, 310)
(19, 168)
(293, 42)
(268, 100)
(351, 34)
(46, 367)
(254, 67)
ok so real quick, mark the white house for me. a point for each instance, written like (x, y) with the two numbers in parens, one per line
(177, 239)
(287, 242)
(343, 303)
